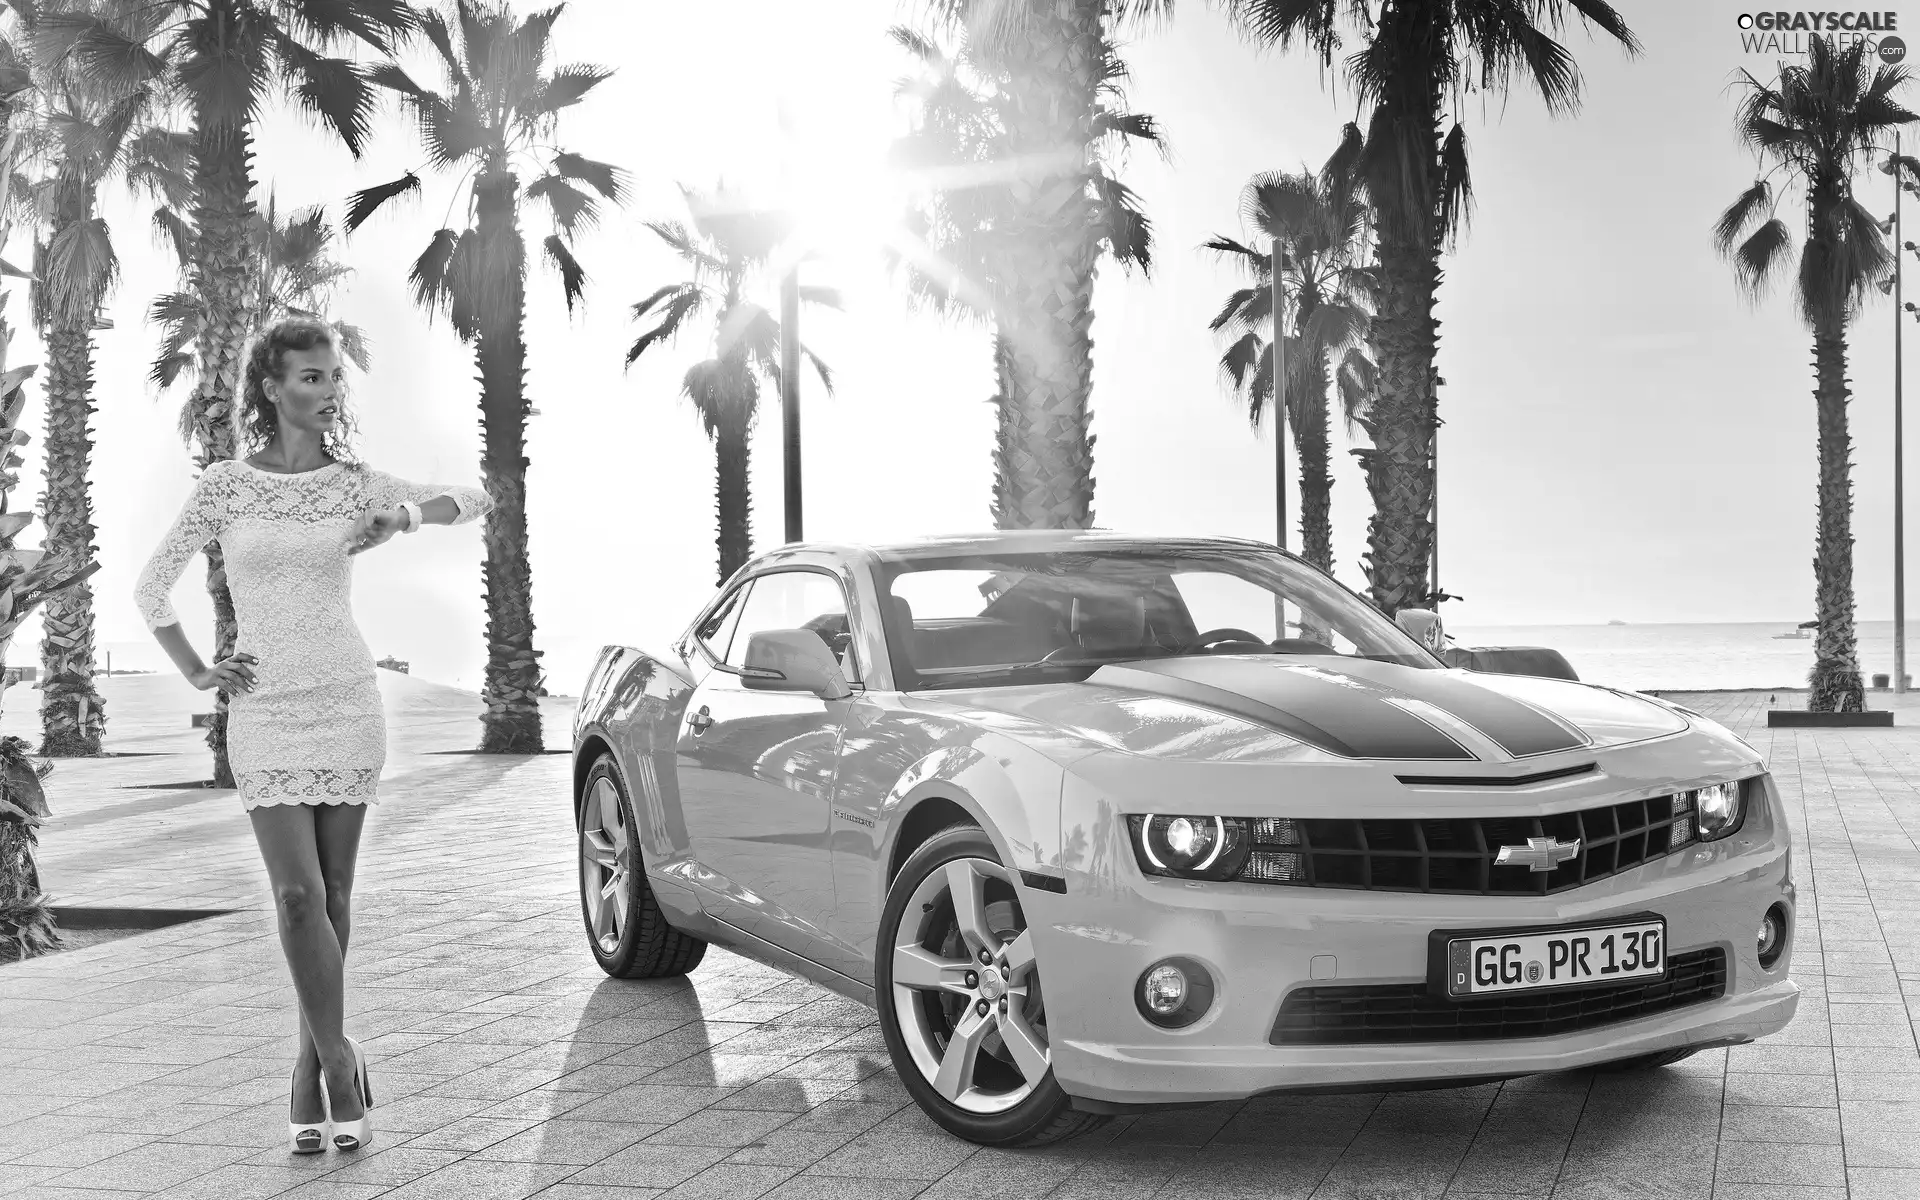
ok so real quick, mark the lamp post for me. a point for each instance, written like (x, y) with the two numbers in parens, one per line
(1899, 474)
(790, 395)
(1279, 262)
(1892, 167)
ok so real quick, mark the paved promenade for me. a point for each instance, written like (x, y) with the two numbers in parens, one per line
(506, 1065)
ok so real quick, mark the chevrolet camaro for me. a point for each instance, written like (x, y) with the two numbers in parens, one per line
(1099, 823)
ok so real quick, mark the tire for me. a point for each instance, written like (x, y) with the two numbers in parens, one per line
(998, 1101)
(634, 942)
(1648, 1062)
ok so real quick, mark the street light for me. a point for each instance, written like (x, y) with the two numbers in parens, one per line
(790, 394)
(1278, 262)
(1892, 168)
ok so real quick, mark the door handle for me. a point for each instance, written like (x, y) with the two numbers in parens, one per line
(699, 721)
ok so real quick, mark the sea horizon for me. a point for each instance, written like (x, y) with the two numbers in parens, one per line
(1640, 656)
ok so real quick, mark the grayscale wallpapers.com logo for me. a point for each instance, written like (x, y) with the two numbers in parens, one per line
(1789, 34)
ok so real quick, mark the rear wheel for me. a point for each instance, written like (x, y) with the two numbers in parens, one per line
(959, 992)
(626, 930)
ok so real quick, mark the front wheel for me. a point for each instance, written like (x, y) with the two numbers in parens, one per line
(629, 935)
(957, 984)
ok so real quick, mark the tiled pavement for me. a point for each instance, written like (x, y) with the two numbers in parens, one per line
(508, 1066)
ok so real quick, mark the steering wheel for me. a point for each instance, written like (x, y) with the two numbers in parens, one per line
(1226, 633)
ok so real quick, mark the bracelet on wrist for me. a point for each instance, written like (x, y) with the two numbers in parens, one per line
(410, 516)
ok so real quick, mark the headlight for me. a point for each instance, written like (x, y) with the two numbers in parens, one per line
(1717, 810)
(1190, 847)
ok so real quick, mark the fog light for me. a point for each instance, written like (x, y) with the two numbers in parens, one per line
(1165, 989)
(1772, 938)
(1174, 993)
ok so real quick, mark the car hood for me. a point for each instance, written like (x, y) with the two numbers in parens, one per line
(1232, 706)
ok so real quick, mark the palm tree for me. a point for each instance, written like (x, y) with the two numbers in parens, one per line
(1419, 62)
(224, 57)
(494, 122)
(27, 577)
(1815, 125)
(1320, 225)
(728, 246)
(86, 134)
(297, 277)
(1021, 123)
(974, 237)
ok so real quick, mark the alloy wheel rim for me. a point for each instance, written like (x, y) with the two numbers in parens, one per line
(966, 988)
(605, 859)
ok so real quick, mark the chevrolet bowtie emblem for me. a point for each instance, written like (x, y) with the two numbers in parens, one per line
(1539, 854)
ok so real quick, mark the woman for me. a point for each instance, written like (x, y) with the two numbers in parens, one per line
(306, 734)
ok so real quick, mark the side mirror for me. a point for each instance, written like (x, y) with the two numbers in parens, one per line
(793, 660)
(1423, 626)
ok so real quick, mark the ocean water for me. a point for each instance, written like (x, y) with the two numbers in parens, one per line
(1693, 657)
(1638, 657)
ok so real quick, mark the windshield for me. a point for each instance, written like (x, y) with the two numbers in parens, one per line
(1026, 618)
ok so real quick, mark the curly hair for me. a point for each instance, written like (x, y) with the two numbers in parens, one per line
(264, 358)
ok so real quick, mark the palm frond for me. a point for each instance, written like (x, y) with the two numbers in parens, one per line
(328, 23)
(825, 297)
(564, 88)
(571, 207)
(364, 203)
(173, 230)
(572, 278)
(1456, 185)
(1741, 214)
(332, 89)
(645, 306)
(684, 304)
(1760, 257)
(391, 77)
(428, 275)
(1124, 226)
(605, 178)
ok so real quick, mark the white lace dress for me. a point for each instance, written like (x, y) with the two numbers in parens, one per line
(312, 731)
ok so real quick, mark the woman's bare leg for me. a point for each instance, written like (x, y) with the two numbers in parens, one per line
(337, 838)
(289, 844)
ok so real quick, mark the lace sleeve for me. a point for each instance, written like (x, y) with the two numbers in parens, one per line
(386, 490)
(198, 523)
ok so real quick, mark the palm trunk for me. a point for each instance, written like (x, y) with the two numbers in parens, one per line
(1044, 457)
(511, 723)
(1399, 466)
(1835, 679)
(1004, 471)
(732, 446)
(1311, 435)
(72, 713)
(223, 278)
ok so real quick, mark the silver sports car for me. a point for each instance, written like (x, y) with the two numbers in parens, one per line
(1100, 822)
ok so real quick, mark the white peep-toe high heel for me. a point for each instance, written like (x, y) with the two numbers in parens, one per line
(311, 1137)
(356, 1134)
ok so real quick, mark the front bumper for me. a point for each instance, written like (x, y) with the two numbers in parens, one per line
(1261, 942)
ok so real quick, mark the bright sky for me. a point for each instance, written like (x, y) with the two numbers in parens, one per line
(1626, 438)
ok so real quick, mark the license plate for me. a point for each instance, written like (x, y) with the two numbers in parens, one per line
(1524, 960)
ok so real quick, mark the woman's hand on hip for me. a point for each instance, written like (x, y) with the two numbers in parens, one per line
(374, 527)
(231, 674)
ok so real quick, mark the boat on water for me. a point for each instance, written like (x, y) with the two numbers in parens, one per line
(1800, 633)
(1616, 622)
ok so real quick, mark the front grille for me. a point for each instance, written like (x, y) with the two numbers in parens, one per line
(1369, 1014)
(1455, 855)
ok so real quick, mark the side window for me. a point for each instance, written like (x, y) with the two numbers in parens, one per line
(795, 600)
(716, 630)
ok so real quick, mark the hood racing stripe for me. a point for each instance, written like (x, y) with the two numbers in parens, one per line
(1518, 728)
(1341, 716)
